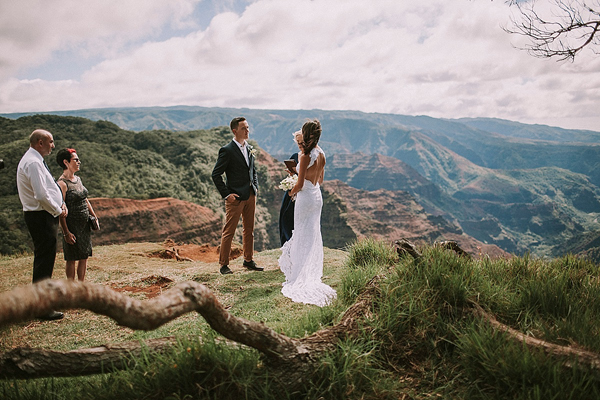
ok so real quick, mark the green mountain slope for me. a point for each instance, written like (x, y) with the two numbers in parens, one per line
(519, 210)
(136, 165)
(117, 163)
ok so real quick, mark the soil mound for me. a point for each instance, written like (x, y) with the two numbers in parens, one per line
(157, 284)
(194, 252)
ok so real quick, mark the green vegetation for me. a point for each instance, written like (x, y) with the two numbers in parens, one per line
(423, 339)
(119, 163)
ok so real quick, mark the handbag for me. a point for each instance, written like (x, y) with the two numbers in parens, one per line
(93, 221)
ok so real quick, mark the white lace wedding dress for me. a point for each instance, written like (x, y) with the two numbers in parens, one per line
(302, 256)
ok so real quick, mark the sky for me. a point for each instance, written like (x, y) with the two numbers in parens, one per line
(441, 58)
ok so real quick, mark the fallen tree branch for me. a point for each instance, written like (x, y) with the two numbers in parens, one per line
(290, 359)
(404, 246)
(25, 362)
(452, 245)
(582, 356)
(26, 302)
(349, 324)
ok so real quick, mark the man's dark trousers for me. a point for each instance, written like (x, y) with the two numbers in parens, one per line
(43, 228)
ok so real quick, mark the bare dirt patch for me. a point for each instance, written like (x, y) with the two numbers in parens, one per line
(193, 252)
(157, 285)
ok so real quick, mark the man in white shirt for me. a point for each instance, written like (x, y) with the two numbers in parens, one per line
(42, 204)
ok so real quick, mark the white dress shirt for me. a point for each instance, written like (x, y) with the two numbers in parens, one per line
(244, 150)
(37, 188)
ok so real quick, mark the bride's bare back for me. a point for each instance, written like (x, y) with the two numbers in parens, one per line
(317, 171)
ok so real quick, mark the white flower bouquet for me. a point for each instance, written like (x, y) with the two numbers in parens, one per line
(288, 183)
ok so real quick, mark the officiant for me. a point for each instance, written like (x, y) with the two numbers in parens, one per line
(286, 212)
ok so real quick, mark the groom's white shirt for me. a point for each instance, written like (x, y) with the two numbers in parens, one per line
(244, 150)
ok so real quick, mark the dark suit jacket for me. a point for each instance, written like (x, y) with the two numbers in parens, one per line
(241, 178)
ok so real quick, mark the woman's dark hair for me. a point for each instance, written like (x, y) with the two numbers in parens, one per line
(311, 133)
(64, 155)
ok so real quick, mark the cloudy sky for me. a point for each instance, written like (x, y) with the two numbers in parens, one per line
(440, 58)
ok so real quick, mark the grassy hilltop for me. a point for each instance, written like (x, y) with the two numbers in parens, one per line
(422, 340)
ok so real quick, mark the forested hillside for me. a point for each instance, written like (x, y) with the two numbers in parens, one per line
(123, 164)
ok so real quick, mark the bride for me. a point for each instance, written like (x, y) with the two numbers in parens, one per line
(302, 256)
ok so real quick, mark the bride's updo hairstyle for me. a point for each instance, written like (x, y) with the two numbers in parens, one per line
(311, 133)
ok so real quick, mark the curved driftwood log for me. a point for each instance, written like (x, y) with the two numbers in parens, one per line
(452, 245)
(569, 353)
(25, 362)
(26, 302)
(289, 358)
(405, 246)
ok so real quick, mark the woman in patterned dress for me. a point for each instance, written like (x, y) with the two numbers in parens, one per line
(77, 241)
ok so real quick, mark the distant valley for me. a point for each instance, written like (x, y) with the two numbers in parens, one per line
(524, 188)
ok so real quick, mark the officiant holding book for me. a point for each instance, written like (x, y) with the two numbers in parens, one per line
(236, 160)
(286, 212)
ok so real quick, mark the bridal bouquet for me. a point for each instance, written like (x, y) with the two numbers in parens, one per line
(288, 183)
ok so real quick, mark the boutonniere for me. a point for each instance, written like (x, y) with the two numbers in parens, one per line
(253, 151)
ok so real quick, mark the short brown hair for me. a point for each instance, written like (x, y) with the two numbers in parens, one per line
(236, 122)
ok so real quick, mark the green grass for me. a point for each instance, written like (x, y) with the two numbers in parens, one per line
(421, 341)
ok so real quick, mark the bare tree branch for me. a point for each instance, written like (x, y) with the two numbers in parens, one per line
(24, 303)
(290, 359)
(571, 26)
(582, 356)
(25, 362)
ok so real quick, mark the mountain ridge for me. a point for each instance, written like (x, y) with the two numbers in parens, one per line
(508, 176)
(157, 185)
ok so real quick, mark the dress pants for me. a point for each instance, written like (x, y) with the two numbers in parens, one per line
(43, 228)
(233, 211)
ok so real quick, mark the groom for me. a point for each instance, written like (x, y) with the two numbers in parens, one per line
(236, 160)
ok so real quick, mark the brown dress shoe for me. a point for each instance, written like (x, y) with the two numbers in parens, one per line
(251, 265)
(52, 316)
(225, 270)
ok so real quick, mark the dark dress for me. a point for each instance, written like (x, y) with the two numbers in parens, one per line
(286, 214)
(77, 221)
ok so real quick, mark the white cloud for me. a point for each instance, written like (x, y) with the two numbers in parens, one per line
(444, 59)
(31, 30)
